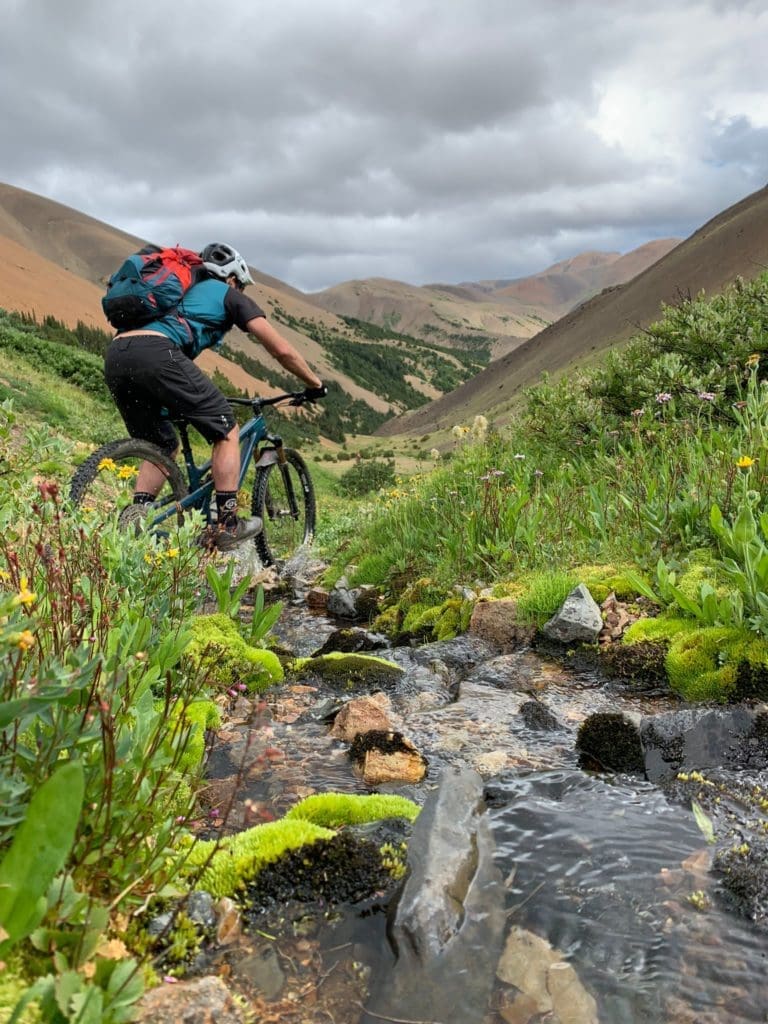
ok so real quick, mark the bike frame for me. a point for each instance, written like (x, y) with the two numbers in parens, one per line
(251, 434)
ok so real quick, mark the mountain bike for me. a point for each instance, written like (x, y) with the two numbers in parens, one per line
(282, 494)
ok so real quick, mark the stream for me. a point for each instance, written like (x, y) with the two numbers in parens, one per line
(610, 910)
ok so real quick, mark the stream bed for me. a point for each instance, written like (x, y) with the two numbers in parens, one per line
(611, 910)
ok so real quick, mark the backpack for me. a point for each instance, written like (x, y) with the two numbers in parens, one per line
(149, 284)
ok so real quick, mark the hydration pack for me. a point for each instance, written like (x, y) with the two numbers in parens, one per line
(150, 284)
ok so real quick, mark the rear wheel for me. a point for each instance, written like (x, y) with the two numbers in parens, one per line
(284, 498)
(105, 482)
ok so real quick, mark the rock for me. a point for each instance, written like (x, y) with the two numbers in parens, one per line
(616, 618)
(202, 1001)
(496, 622)
(263, 971)
(493, 762)
(578, 619)
(353, 603)
(361, 715)
(538, 716)
(448, 924)
(228, 916)
(699, 738)
(199, 907)
(387, 757)
(317, 599)
(351, 672)
(160, 925)
(547, 984)
(351, 640)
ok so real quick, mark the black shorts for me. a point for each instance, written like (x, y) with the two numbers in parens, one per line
(151, 380)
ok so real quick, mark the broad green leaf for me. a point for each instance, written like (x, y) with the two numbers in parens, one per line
(744, 529)
(39, 849)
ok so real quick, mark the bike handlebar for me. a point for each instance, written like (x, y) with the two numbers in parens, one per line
(293, 397)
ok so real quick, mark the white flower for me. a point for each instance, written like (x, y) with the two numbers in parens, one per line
(434, 454)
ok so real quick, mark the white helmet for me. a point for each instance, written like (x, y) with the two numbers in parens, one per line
(222, 260)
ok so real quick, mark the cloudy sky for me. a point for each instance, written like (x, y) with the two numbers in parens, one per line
(423, 140)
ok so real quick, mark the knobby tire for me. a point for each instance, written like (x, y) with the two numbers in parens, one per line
(289, 522)
(125, 452)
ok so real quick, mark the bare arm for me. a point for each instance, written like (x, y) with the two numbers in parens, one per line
(282, 350)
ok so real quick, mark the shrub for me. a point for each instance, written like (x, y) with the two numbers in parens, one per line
(365, 477)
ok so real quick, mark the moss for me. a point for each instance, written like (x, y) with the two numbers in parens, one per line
(640, 666)
(350, 671)
(609, 740)
(184, 939)
(602, 580)
(702, 664)
(420, 619)
(218, 648)
(12, 987)
(448, 623)
(332, 810)
(228, 864)
(200, 715)
(658, 629)
(389, 621)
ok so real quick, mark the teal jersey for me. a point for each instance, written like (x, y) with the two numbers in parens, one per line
(208, 310)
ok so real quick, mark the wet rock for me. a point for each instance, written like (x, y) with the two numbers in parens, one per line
(704, 738)
(200, 908)
(448, 925)
(387, 757)
(502, 672)
(202, 1001)
(578, 619)
(352, 640)
(262, 971)
(538, 716)
(347, 602)
(317, 599)
(496, 622)
(161, 924)
(743, 870)
(361, 715)
(460, 655)
(546, 983)
(610, 740)
(493, 762)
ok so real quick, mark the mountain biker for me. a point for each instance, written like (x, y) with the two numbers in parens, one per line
(151, 374)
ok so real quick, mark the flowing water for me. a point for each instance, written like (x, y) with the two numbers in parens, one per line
(602, 873)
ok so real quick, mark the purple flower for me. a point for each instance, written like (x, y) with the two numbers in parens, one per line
(707, 396)
(663, 397)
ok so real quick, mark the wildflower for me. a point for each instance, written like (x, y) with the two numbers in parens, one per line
(25, 596)
(25, 640)
(479, 427)
(496, 472)
(518, 456)
(109, 464)
(753, 360)
(126, 472)
(706, 396)
(457, 431)
(744, 462)
(739, 405)
(538, 472)
(434, 454)
(663, 397)
(637, 412)
(172, 553)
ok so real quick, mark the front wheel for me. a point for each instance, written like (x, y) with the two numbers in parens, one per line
(105, 482)
(284, 498)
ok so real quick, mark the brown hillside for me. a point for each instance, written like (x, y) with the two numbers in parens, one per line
(54, 261)
(733, 244)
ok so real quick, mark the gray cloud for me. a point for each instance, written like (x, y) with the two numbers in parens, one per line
(424, 140)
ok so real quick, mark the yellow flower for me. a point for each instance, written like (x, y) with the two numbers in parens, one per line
(744, 462)
(25, 640)
(753, 360)
(25, 596)
(109, 464)
(173, 553)
(126, 472)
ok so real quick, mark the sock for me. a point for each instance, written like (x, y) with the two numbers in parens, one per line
(226, 506)
(143, 498)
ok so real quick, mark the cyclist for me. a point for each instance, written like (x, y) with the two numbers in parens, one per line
(151, 374)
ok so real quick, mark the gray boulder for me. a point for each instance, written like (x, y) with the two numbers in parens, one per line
(579, 618)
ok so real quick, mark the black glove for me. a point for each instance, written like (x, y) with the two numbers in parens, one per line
(314, 394)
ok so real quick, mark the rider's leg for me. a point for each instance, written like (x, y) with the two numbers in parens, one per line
(149, 481)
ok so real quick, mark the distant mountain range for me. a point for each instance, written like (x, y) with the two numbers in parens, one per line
(431, 338)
